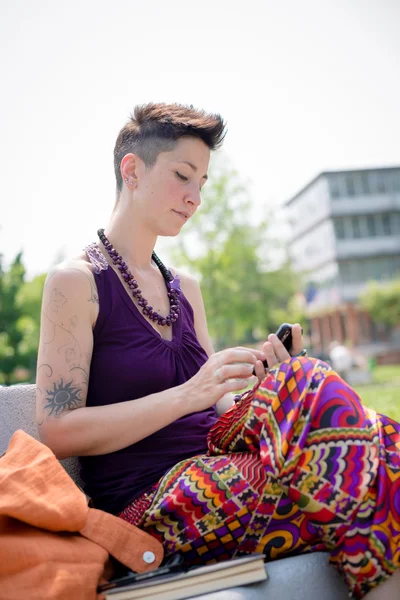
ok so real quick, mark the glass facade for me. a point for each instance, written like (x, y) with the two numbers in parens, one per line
(367, 226)
(362, 183)
(366, 269)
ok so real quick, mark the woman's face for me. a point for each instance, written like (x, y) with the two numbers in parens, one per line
(168, 194)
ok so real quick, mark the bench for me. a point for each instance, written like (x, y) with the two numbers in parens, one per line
(305, 577)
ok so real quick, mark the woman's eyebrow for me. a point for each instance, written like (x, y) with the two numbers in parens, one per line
(187, 162)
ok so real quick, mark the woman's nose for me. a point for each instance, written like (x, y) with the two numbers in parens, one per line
(195, 196)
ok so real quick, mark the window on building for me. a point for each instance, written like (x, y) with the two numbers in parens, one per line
(395, 268)
(380, 268)
(396, 223)
(374, 269)
(365, 183)
(396, 181)
(356, 226)
(334, 187)
(387, 230)
(381, 182)
(350, 187)
(371, 226)
(339, 229)
(345, 271)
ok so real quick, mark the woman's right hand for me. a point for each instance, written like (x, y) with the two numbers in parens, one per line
(225, 371)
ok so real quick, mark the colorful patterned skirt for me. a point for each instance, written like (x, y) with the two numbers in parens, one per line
(297, 465)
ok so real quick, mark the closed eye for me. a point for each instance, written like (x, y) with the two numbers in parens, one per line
(181, 177)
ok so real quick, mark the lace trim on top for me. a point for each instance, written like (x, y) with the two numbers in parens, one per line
(96, 258)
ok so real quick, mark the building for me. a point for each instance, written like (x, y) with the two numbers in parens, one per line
(345, 232)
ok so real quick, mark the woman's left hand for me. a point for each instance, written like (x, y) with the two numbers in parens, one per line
(275, 352)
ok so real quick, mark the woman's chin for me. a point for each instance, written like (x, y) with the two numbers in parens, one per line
(168, 233)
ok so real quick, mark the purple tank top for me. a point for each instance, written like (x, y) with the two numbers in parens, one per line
(131, 360)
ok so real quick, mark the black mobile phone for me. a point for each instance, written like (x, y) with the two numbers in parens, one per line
(284, 333)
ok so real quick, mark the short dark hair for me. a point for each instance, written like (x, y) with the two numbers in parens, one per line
(155, 128)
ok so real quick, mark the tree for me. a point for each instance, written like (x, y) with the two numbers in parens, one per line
(382, 301)
(245, 295)
(19, 321)
(10, 312)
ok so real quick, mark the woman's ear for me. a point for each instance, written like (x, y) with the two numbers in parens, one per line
(128, 168)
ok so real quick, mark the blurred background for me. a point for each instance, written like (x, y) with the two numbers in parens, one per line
(300, 220)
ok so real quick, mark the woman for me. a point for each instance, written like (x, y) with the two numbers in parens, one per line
(128, 380)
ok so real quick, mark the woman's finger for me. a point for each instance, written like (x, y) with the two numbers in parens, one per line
(270, 354)
(259, 370)
(237, 370)
(297, 343)
(279, 349)
(234, 385)
(257, 353)
(235, 355)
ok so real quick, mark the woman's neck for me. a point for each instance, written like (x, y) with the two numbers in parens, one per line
(134, 242)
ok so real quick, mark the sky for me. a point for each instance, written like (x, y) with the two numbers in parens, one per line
(304, 87)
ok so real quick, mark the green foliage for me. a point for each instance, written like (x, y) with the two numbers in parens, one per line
(19, 322)
(245, 296)
(382, 301)
(383, 393)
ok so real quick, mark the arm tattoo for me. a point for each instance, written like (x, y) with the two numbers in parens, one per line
(62, 398)
(63, 391)
(93, 295)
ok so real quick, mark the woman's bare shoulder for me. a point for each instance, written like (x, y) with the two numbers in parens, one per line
(186, 278)
(75, 271)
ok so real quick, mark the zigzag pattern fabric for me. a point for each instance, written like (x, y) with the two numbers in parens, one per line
(298, 465)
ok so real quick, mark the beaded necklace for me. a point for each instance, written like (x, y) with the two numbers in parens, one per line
(173, 284)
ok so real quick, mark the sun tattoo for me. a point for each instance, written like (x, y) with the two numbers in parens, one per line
(62, 397)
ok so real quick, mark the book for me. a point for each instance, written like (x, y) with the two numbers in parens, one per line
(193, 582)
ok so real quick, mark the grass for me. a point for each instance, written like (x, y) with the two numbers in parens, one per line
(383, 394)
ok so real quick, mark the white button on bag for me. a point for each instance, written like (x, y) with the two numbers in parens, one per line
(149, 557)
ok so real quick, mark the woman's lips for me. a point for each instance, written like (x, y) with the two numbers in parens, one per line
(184, 215)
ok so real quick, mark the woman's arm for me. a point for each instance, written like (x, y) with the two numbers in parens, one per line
(65, 424)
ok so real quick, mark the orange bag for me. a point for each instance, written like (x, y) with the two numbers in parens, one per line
(52, 545)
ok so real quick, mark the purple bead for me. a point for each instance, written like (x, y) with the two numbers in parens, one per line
(173, 286)
(175, 283)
